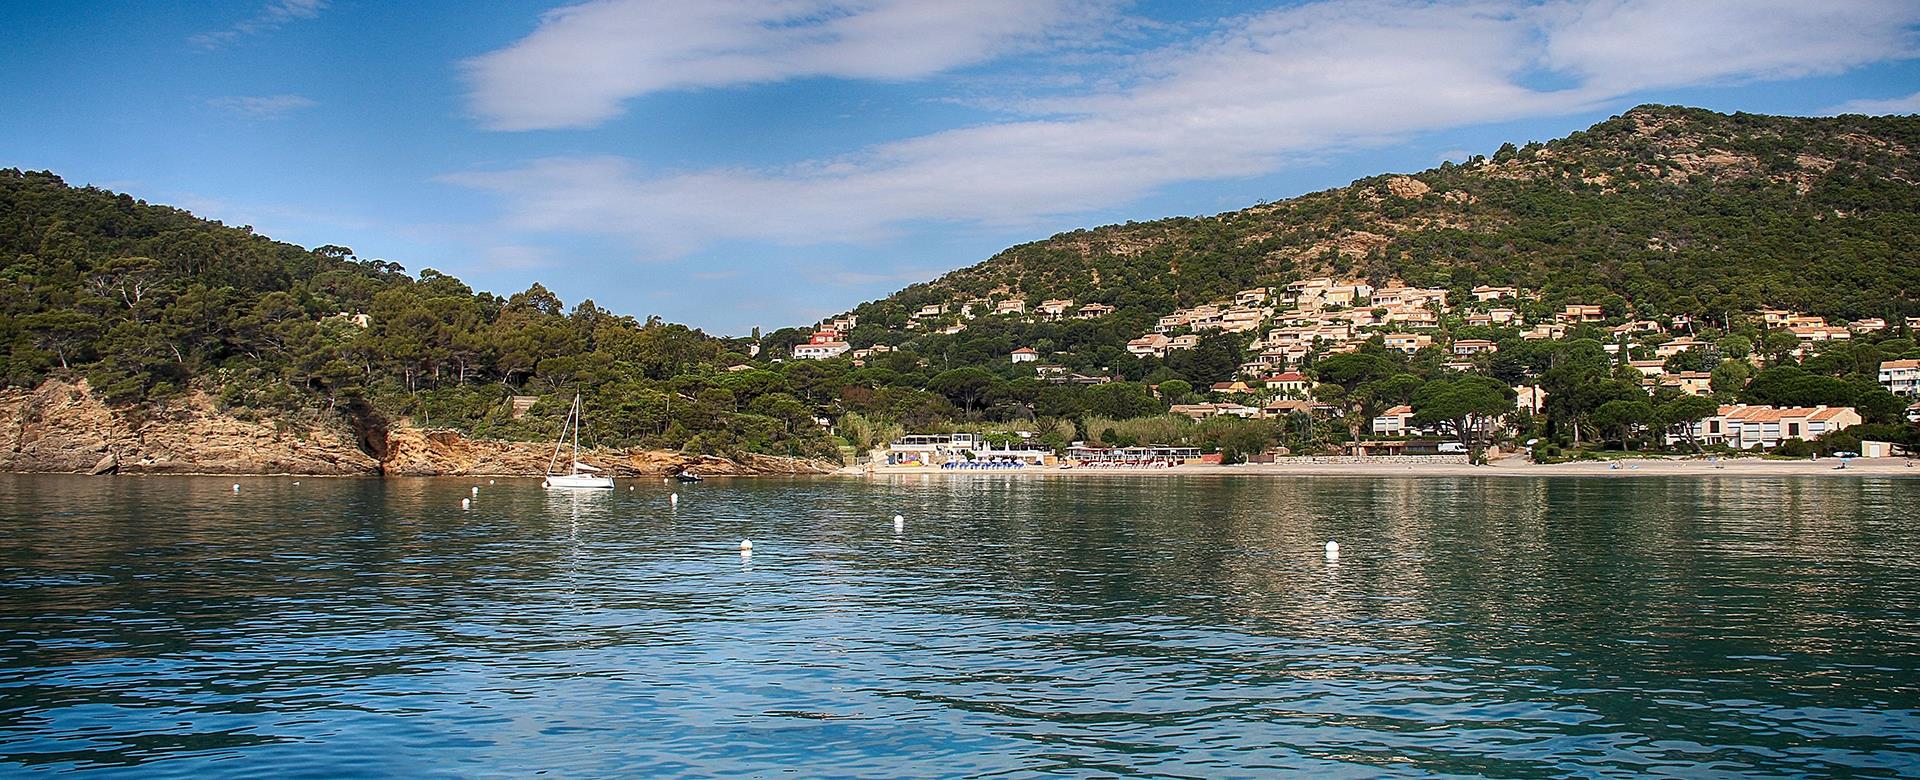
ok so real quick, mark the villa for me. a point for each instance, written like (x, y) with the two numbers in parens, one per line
(1901, 377)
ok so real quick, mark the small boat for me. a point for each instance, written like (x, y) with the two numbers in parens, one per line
(688, 476)
(577, 475)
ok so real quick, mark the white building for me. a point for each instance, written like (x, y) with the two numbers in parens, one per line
(1748, 427)
(1901, 377)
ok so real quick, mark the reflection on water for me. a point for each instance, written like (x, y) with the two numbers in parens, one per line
(1132, 626)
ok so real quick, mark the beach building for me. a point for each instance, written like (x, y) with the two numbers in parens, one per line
(1901, 377)
(1156, 456)
(1203, 411)
(1397, 421)
(1749, 427)
(940, 449)
(1530, 398)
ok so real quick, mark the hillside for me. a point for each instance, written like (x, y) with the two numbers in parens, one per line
(1610, 273)
(1669, 210)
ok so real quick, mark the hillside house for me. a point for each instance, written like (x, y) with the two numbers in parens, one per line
(1901, 377)
(1093, 311)
(1689, 382)
(1015, 306)
(1408, 342)
(1150, 345)
(1055, 309)
(1288, 382)
(1023, 355)
(1677, 346)
(1575, 313)
(821, 345)
(1474, 346)
(1485, 293)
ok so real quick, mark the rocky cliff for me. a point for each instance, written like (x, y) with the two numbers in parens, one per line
(63, 427)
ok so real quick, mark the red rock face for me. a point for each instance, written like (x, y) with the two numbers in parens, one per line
(62, 427)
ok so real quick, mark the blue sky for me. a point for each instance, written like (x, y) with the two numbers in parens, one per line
(769, 162)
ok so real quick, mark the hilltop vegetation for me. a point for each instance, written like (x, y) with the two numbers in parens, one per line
(1664, 211)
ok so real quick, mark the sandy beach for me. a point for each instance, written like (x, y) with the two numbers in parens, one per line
(1507, 467)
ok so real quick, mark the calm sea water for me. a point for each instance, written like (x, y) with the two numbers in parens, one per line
(1177, 627)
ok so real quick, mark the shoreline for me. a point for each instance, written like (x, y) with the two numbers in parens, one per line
(1507, 467)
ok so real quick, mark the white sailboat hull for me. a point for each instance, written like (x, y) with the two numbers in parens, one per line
(577, 481)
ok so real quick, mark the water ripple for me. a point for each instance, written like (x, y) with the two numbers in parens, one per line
(1017, 628)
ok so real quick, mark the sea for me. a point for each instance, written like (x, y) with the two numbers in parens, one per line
(1008, 626)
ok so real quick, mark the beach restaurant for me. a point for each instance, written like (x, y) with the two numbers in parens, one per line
(1132, 457)
(939, 449)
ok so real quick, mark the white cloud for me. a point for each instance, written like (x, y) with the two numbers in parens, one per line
(1266, 89)
(584, 60)
(1899, 105)
(272, 16)
(261, 106)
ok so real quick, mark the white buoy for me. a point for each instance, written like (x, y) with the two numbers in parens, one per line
(236, 487)
(899, 524)
(466, 503)
(1333, 550)
(296, 482)
(745, 545)
(629, 488)
(674, 499)
(476, 490)
(489, 481)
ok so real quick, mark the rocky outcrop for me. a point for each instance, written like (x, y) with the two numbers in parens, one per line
(62, 427)
(421, 453)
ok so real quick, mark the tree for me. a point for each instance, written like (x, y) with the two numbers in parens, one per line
(1121, 400)
(965, 387)
(1469, 407)
(1622, 416)
(1679, 415)
(1176, 391)
(1355, 375)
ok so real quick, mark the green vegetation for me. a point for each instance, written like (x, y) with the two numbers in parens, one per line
(1659, 214)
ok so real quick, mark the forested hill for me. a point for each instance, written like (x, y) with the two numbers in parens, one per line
(1668, 210)
(149, 304)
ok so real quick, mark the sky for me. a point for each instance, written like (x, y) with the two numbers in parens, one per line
(766, 163)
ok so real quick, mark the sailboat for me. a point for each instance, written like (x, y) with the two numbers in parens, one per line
(577, 474)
